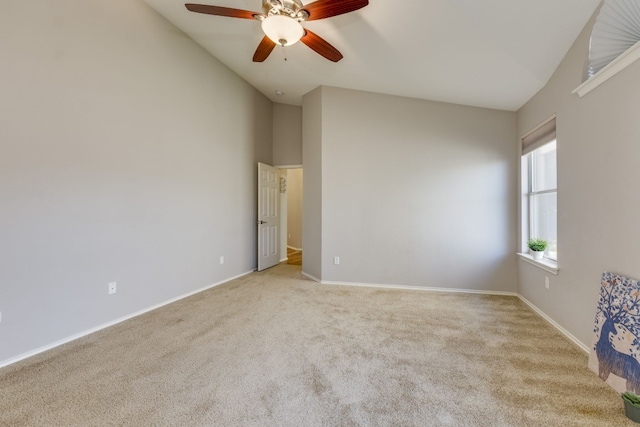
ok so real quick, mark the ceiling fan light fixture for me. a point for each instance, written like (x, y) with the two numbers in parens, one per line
(282, 30)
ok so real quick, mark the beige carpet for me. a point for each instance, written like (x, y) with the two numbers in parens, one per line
(273, 349)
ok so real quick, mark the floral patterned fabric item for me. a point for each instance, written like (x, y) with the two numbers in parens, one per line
(616, 348)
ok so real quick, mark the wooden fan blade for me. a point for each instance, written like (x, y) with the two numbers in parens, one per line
(264, 49)
(221, 11)
(321, 46)
(327, 8)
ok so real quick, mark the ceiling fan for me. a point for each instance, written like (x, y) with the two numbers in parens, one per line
(282, 22)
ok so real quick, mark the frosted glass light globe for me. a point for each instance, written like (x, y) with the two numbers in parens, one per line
(282, 30)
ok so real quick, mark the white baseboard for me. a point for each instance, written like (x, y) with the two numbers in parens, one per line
(542, 314)
(294, 249)
(420, 288)
(556, 325)
(315, 279)
(284, 259)
(563, 331)
(55, 344)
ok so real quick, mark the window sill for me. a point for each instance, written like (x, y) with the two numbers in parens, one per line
(613, 68)
(546, 264)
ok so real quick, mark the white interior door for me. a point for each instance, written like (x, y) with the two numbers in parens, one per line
(268, 217)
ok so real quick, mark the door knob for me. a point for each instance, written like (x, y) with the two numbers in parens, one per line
(261, 222)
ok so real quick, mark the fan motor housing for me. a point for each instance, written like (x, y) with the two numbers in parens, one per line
(291, 8)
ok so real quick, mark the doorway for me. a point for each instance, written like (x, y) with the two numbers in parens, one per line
(294, 257)
(291, 217)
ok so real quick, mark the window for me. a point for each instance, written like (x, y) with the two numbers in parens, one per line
(540, 188)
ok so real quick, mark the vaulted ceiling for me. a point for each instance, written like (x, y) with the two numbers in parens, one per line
(487, 53)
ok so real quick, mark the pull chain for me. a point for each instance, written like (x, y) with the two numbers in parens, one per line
(283, 43)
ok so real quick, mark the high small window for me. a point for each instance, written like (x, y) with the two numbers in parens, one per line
(540, 187)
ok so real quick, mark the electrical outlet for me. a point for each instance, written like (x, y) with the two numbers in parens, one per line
(112, 288)
(336, 260)
(221, 260)
(546, 282)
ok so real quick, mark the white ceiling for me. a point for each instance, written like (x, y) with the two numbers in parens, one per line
(487, 53)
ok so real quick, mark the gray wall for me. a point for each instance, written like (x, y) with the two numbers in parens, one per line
(294, 208)
(417, 193)
(598, 187)
(128, 154)
(287, 135)
(312, 185)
